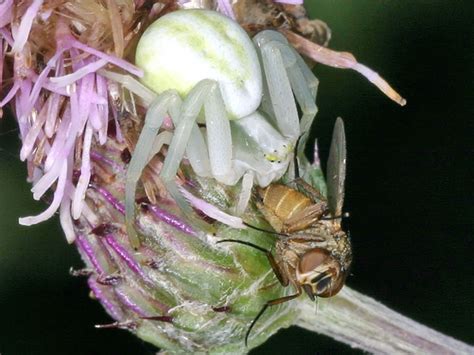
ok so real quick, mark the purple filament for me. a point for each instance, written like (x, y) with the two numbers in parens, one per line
(171, 220)
(99, 157)
(110, 199)
(129, 303)
(112, 309)
(125, 256)
(84, 245)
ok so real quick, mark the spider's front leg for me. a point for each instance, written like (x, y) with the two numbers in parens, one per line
(288, 76)
(167, 102)
(205, 94)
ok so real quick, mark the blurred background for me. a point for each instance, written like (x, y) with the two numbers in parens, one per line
(409, 190)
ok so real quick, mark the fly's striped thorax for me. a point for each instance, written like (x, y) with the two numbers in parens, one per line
(283, 201)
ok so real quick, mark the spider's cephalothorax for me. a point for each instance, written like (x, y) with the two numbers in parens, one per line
(206, 69)
(312, 253)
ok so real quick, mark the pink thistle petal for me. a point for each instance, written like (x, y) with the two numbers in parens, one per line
(49, 212)
(66, 220)
(53, 109)
(212, 211)
(225, 7)
(47, 180)
(6, 8)
(85, 87)
(290, 2)
(59, 141)
(65, 208)
(23, 31)
(2, 59)
(78, 74)
(94, 118)
(109, 58)
(30, 139)
(73, 131)
(102, 110)
(21, 102)
(10, 94)
(7, 36)
(39, 83)
(84, 179)
(54, 88)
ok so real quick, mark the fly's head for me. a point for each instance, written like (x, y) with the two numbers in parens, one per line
(320, 273)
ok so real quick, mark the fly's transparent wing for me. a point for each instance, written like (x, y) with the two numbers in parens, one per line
(336, 169)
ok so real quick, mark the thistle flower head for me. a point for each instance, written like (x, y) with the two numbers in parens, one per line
(78, 127)
(66, 72)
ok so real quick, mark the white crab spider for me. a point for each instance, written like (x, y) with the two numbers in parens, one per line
(252, 125)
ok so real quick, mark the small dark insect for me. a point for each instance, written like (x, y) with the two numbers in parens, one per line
(312, 253)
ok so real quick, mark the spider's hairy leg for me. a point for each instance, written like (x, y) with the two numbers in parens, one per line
(219, 137)
(278, 84)
(153, 121)
(245, 193)
(205, 94)
(305, 88)
(302, 82)
(196, 149)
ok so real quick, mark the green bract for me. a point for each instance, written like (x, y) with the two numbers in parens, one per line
(212, 292)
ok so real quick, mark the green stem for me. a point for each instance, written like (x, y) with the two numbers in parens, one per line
(364, 323)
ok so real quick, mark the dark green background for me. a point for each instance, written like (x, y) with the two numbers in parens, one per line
(409, 190)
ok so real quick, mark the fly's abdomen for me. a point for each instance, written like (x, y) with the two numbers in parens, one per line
(283, 201)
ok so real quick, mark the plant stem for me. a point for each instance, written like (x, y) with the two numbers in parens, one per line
(364, 323)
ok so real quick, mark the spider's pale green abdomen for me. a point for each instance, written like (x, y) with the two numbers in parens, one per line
(184, 47)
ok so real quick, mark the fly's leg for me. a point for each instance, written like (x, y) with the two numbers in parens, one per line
(269, 304)
(278, 273)
(153, 121)
(271, 259)
(309, 191)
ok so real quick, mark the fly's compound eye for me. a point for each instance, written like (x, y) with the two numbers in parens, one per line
(320, 274)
